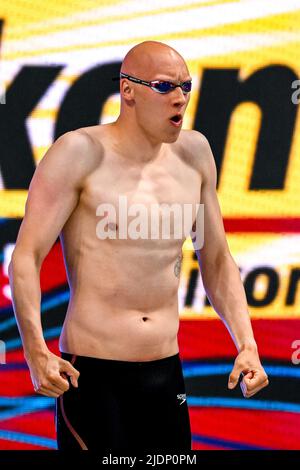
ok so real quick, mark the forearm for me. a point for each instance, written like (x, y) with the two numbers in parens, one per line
(24, 276)
(225, 290)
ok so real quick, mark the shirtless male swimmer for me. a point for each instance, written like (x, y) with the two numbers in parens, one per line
(119, 383)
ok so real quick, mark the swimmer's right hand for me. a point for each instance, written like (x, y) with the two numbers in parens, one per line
(48, 374)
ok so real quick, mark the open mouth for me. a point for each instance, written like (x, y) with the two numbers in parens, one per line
(176, 119)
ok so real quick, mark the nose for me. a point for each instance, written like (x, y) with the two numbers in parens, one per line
(180, 97)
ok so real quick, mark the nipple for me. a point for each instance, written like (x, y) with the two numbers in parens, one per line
(112, 226)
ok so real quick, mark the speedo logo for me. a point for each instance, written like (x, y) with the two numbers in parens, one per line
(182, 397)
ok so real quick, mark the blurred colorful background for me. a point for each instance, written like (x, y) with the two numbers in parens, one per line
(57, 59)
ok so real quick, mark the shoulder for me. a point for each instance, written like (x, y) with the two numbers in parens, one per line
(197, 151)
(74, 149)
(196, 141)
(77, 142)
(69, 161)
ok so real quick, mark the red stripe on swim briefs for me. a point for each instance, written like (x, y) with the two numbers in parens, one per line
(68, 424)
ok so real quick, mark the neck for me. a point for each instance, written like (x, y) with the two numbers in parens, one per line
(134, 143)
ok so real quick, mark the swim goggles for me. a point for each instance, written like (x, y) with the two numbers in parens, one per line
(160, 86)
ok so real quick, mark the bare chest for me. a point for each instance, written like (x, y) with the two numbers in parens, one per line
(169, 183)
(143, 201)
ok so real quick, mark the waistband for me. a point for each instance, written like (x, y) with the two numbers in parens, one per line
(96, 361)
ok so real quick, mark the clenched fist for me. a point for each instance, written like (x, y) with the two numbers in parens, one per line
(49, 374)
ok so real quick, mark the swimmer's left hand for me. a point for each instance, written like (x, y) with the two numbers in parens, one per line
(248, 364)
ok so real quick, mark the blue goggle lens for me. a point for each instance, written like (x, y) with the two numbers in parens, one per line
(187, 86)
(165, 87)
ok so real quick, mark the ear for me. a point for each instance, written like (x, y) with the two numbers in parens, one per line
(127, 90)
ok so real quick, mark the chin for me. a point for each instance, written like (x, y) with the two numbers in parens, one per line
(171, 138)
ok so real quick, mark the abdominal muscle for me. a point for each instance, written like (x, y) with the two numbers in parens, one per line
(123, 317)
(126, 335)
(124, 295)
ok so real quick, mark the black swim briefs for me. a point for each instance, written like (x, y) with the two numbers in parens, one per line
(121, 405)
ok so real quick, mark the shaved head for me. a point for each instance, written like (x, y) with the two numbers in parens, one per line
(149, 58)
(144, 112)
